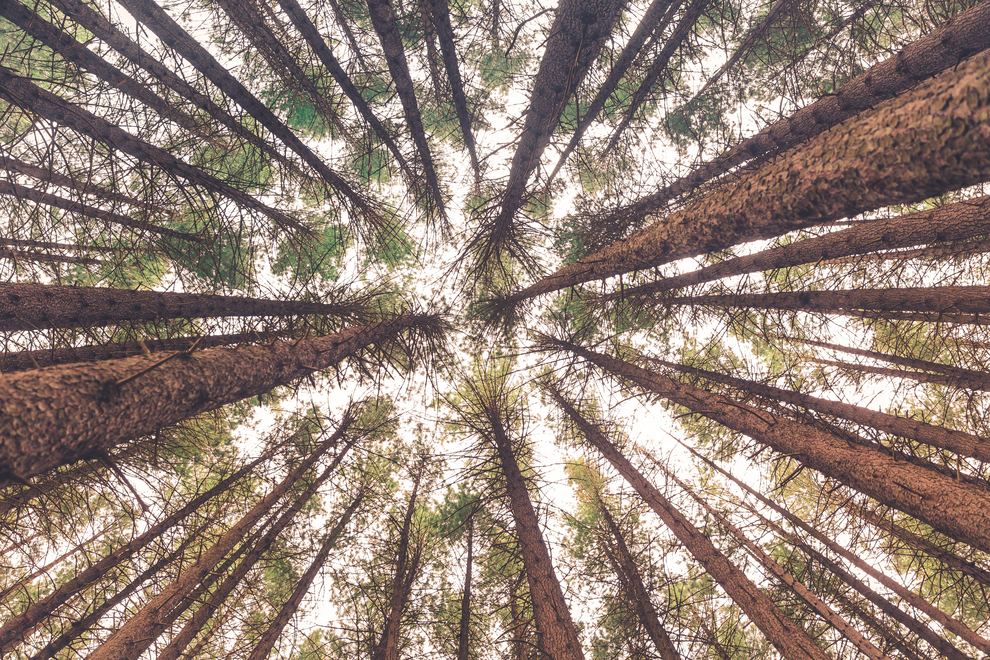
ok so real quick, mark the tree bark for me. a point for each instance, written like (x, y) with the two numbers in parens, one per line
(49, 417)
(959, 510)
(892, 638)
(784, 634)
(899, 152)
(464, 633)
(45, 258)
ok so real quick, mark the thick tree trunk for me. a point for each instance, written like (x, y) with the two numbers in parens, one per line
(636, 592)
(900, 151)
(267, 641)
(557, 635)
(27, 306)
(19, 627)
(953, 222)
(959, 510)
(960, 442)
(784, 634)
(141, 629)
(464, 632)
(52, 416)
(384, 21)
(23, 93)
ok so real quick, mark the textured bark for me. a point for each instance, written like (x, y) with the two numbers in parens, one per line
(406, 570)
(87, 211)
(959, 510)
(931, 54)
(50, 245)
(951, 304)
(46, 357)
(267, 641)
(654, 21)
(141, 629)
(892, 638)
(892, 372)
(960, 442)
(27, 306)
(899, 152)
(953, 222)
(52, 416)
(23, 93)
(910, 597)
(935, 252)
(557, 635)
(45, 258)
(636, 591)
(464, 632)
(384, 21)
(784, 634)
(19, 627)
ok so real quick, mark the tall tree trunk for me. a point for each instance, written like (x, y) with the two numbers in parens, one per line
(900, 151)
(892, 638)
(49, 417)
(141, 629)
(464, 633)
(784, 634)
(45, 258)
(384, 21)
(50, 245)
(960, 510)
(929, 253)
(953, 222)
(636, 592)
(46, 357)
(960, 442)
(557, 635)
(18, 628)
(893, 372)
(266, 642)
(23, 93)
(650, 27)
(26, 306)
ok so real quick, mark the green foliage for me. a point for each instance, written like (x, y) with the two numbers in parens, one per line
(305, 258)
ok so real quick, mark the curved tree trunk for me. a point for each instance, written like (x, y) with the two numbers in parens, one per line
(49, 417)
(784, 634)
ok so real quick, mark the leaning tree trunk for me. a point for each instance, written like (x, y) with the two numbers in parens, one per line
(893, 372)
(899, 152)
(464, 632)
(29, 306)
(960, 442)
(931, 54)
(45, 258)
(49, 417)
(266, 642)
(558, 637)
(959, 510)
(784, 634)
(953, 222)
(908, 648)
(23, 93)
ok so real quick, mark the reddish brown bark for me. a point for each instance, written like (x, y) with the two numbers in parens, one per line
(784, 634)
(959, 510)
(53, 416)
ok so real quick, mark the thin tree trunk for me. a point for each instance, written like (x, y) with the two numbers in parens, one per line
(899, 152)
(26, 306)
(892, 638)
(141, 629)
(960, 442)
(44, 258)
(934, 252)
(891, 372)
(24, 583)
(49, 417)
(464, 633)
(23, 93)
(384, 21)
(49, 245)
(637, 593)
(267, 641)
(953, 222)
(784, 634)
(558, 637)
(960, 510)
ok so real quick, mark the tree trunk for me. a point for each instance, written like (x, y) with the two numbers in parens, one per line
(384, 21)
(933, 252)
(464, 633)
(49, 417)
(27, 306)
(19, 627)
(49, 245)
(46, 357)
(557, 635)
(908, 648)
(636, 592)
(899, 152)
(140, 630)
(892, 372)
(960, 510)
(960, 442)
(953, 222)
(267, 641)
(45, 258)
(23, 93)
(784, 634)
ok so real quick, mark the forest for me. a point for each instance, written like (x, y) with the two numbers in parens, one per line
(495, 329)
